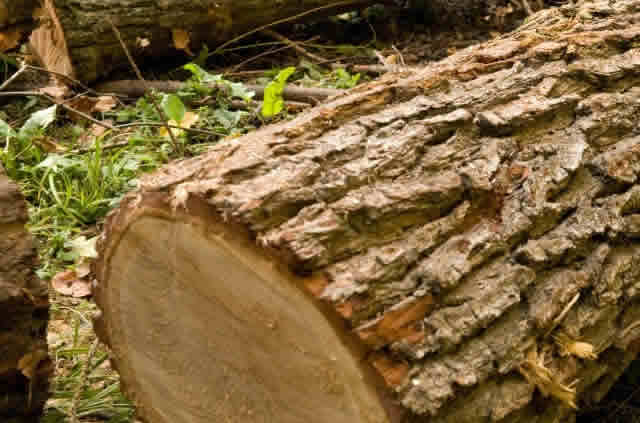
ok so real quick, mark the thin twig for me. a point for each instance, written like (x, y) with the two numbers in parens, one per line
(13, 77)
(63, 76)
(61, 104)
(297, 47)
(164, 117)
(256, 57)
(19, 93)
(102, 147)
(81, 114)
(83, 382)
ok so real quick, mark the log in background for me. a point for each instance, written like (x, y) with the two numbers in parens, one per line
(24, 313)
(468, 223)
(75, 37)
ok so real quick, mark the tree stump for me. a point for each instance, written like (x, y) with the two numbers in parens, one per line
(454, 245)
(24, 312)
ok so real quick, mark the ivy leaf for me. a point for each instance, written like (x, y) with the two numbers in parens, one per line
(273, 101)
(239, 90)
(39, 120)
(346, 80)
(201, 75)
(228, 118)
(173, 107)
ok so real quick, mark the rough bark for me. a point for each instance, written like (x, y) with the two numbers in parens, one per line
(80, 32)
(14, 12)
(16, 22)
(24, 364)
(468, 231)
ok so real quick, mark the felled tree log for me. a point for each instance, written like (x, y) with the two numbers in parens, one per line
(16, 22)
(13, 13)
(458, 245)
(24, 308)
(77, 38)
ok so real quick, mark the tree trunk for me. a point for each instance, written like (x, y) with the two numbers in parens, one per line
(453, 245)
(24, 363)
(78, 39)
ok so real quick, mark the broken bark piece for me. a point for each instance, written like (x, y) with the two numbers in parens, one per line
(24, 312)
(411, 250)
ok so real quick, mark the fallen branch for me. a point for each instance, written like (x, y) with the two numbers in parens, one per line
(133, 88)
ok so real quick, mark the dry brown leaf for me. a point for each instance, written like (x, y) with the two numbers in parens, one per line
(58, 92)
(142, 42)
(89, 105)
(98, 130)
(82, 104)
(83, 269)
(68, 283)
(9, 40)
(105, 103)
(49, 145)
(89, 137)
(189, 119)
(181, 40)
(29, 362)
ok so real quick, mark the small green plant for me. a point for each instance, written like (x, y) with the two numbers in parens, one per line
(19, 151)
(273, 102)
(345, 80)
(206, 82)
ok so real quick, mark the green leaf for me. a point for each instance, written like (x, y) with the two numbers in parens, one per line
(311, 69)
(201, 60)
(6, 130)
(39, 120)
(239, 90)
(236, 89)
(57, 162)
(173, 107)
(201, 75)
(228, 118)
(273, 101)
(345, 80)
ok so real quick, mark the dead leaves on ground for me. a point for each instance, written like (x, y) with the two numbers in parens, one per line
(74, 283)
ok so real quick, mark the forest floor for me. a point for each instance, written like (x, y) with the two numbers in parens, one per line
(73, 171)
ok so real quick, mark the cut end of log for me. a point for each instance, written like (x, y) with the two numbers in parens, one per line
(234, 336)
